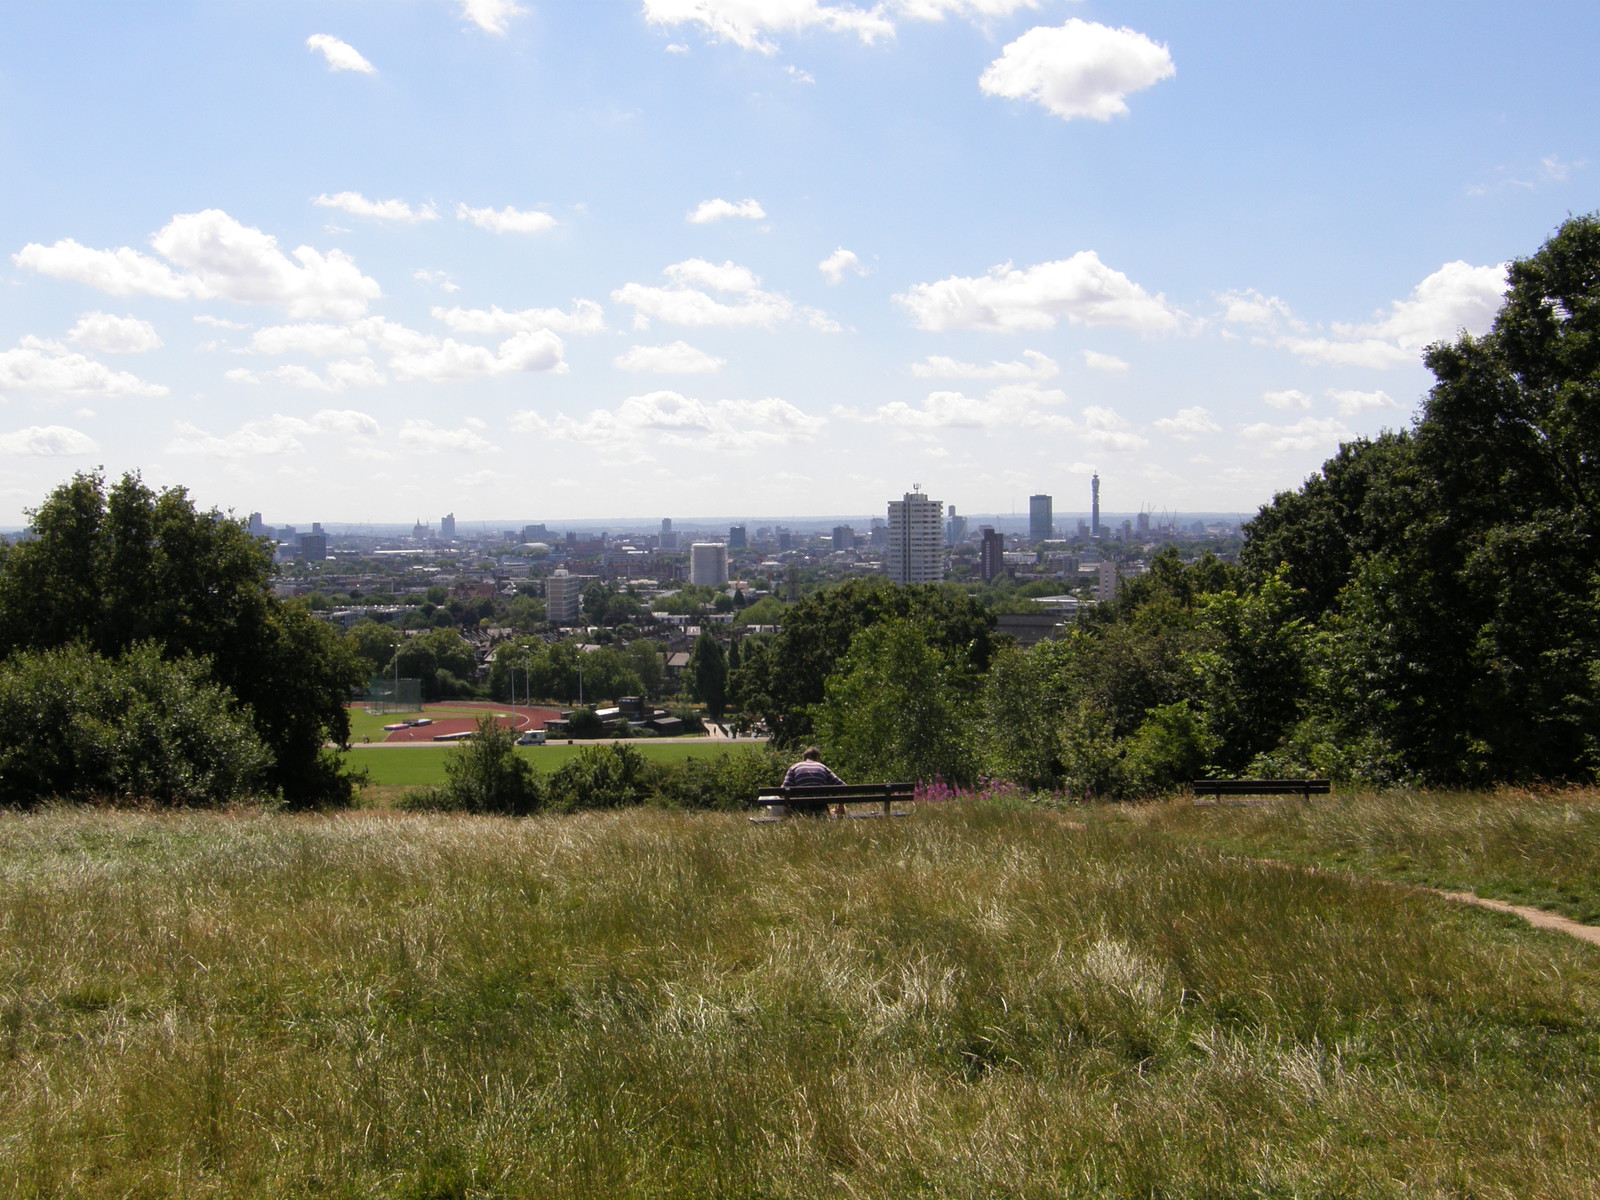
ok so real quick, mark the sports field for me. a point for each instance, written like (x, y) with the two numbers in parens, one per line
(419, 766)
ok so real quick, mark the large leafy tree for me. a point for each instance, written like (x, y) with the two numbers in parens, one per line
(109, 568)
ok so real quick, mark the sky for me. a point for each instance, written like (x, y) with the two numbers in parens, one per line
(379, 260)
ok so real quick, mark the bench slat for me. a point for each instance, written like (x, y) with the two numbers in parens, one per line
(1261, 787)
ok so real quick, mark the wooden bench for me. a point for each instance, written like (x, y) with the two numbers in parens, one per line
(815, 801)
(1261, 787)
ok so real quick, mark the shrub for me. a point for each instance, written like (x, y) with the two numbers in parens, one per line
(726, 781)
(485, 775)
(75, 725)
(600, 777)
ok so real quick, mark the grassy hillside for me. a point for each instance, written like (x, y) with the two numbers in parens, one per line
(974, 1001)
(418, 766)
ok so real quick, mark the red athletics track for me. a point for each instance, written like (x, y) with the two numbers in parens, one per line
(526, 717)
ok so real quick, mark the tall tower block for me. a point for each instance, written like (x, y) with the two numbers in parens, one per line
(1094, 505)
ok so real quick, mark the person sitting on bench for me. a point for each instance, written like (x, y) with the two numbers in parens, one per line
(809, 772)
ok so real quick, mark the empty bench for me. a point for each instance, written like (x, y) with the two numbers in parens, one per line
(815, 801)
(1261, 787)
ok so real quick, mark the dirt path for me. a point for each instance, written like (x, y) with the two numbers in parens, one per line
(1537, 917)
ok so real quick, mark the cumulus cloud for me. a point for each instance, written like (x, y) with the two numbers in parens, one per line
(339, 376)
(1250, 307)
(1033, 365)
(492, 16)
(274, 435)
(340, 56)
(317, 339)
(711, 211)
(1305, 434)
(358, 205)
(49, 368)
(218, 322)
(675, 420)
(436, 279)
(445, 359)
(1081, 289)
(840, 263)
(47, 441)
(1350, 403)
(752, 24)
(506, 220)
(1288, 401)
(1108, 363)
(586, 317)
(677, 358)
(1188, 424)
(1078, 70)
(1008, 407)
(688, 302)
(221, 259)
(468, 439)
(114, 335)
(1454, 299)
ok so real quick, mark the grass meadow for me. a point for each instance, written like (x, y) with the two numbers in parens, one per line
(976, 1001)
(1539, 848)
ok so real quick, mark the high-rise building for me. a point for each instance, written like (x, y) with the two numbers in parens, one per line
(258, 527)
(313, 547)
(844, 537)
(1094, 505)
(1144, 524)
(708, 564)
(736, 538)
(563, 597)
(991, 553)
(1041, 518)
(669, 536)
(915, 553)
(955, 529)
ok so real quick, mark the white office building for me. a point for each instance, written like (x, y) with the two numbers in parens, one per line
(563, 597)
(915, 553)
(708, 564)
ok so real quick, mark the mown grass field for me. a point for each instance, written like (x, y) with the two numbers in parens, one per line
(421, 766)
(975, 1001)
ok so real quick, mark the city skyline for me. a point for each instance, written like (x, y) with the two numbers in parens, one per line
(350, 261)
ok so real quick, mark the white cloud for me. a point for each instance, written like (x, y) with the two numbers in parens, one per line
(1008, 407)
(711, 211)
(1305, 434)
(1078, 70)
(675, 420)
(1457, 297)
(274, 435)
(677, 48)
(530, 350)
(466, 440)
(47, 367)
(115, 335)
(47, 441)
(1250, 307)
(752, 23)
(343, 374)
(122, 272)
(358, 205)
(1288, 400)
(747, 23)
(436, 279)
(1350, 404)
(1188, 424)
(1034, 366)
(319, 340)
(685, 303)
(492, 16)
(506, 220)
(340, 56)
(1107, 430)
(1108, 363)
(218, 322)
(677, 358)
(1081, 289)
(586, 317)
(223, 260)
(799, 75)
(837, 264)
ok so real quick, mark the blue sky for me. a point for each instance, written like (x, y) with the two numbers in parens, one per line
(367, 260)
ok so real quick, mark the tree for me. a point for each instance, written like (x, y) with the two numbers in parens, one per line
(708, 674)
(110, 568)
(899, 706)
(374, 643)
(486, 775)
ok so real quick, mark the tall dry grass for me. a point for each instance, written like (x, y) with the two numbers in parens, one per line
(971, 1002)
